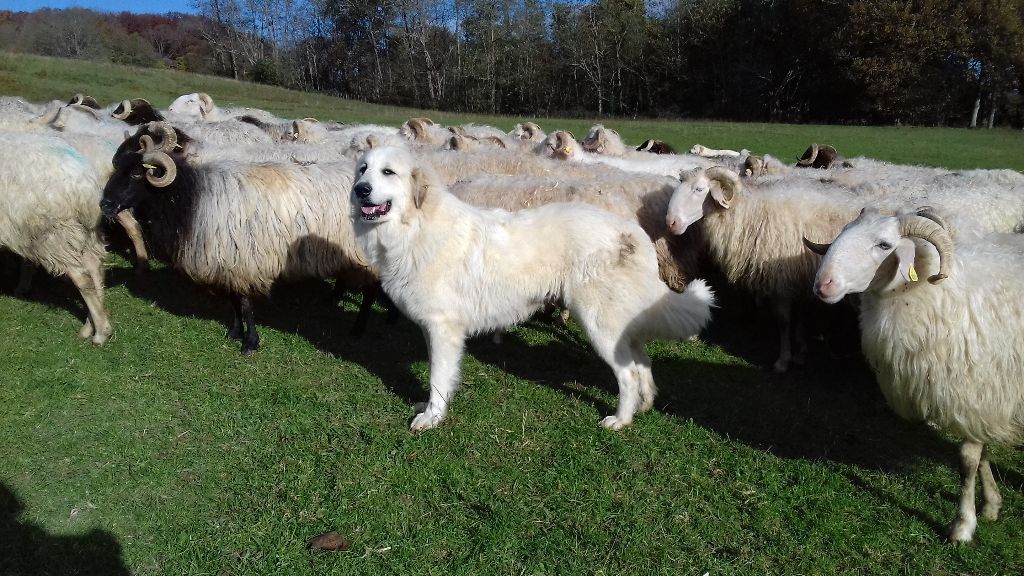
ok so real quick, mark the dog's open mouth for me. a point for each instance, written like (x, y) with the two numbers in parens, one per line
(374, 211)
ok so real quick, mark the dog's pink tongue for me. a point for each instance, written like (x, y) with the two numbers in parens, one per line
(369, 210)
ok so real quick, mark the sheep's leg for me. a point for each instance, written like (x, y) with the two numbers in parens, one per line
(101, 323)
(131, 227)
(783, 309)
(96, 319)
(993, 501)
(962, 527)
(799, 337)
(365, 309)
(28, 271)
(235, 329)
(445, 344)
(251, 340)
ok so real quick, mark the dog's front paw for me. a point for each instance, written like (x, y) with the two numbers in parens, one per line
(426, 420)
(615, 423)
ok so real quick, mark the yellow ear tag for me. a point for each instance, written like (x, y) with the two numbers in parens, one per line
(149, 166)
(748, 171)
(913, 274)
(568, 149)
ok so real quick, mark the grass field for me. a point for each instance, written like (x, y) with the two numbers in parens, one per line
(165, 452)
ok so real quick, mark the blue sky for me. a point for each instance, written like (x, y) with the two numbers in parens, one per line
(139, 6)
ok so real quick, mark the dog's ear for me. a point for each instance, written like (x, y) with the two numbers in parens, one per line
(422, 181)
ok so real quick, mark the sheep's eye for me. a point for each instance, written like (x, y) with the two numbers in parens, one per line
(387, 172)
(884, 246)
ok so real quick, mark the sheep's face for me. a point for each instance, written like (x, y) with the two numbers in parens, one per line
(527, 131)
(870, 252)
(195, 105)
(387, 185)
(136, 175)
(596, 140)
(560, 145)
(698, 193)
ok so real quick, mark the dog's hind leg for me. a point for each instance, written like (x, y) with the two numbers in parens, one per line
(446, 347)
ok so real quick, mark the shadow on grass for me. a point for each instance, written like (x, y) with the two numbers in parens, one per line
(831, 409)
(29, 550)
(53, 292)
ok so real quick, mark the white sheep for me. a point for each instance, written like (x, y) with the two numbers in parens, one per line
(239, 226)
(562, 145)
(639, 197)
(50, 217)
(528, 131)
(949, 350)
(701, 150)
(199, 106)
(754, 238)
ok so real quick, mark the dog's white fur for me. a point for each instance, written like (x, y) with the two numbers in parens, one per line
(457, 270)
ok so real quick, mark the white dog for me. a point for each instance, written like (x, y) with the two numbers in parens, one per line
(457, 270)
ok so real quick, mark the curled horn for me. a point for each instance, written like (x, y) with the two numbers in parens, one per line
(754, 165)
(807, 161)
(729, 181)
(819, 249)
(924, 226)
(168, 138)
(125, 110)
(154, 159)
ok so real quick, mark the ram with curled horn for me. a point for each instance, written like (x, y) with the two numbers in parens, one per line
(136, 111)
(946, 355)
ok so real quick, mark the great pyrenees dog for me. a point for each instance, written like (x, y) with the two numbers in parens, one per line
(457, 270)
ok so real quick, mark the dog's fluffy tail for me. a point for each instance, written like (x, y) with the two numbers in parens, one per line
(677, 316)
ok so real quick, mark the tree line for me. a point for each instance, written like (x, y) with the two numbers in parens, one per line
(927, 62)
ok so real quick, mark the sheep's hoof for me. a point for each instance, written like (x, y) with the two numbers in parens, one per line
(990, 511)
(87, 330)
(615, 423)
(426, 420)
(250, 349)
(961, 530)
(781, 366)
(233, 334)
(142, 267)
(101, 336)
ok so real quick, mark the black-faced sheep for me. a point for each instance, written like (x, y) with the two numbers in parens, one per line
(239, 226)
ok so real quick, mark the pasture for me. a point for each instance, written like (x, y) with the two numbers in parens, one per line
(165, 452)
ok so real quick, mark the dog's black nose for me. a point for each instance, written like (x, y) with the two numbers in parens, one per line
(363, 189)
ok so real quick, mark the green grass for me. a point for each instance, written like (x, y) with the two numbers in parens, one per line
(165, 452)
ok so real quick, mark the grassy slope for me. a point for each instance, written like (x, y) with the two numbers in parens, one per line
(166, 453)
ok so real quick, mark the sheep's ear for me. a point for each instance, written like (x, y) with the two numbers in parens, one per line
(905, 253)
(421, 183)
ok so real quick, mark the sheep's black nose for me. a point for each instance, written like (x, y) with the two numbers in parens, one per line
(363, 189)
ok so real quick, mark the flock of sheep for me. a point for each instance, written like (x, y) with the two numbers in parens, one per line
(238, 199)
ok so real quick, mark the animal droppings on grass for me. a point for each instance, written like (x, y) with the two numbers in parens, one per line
(328, 542)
